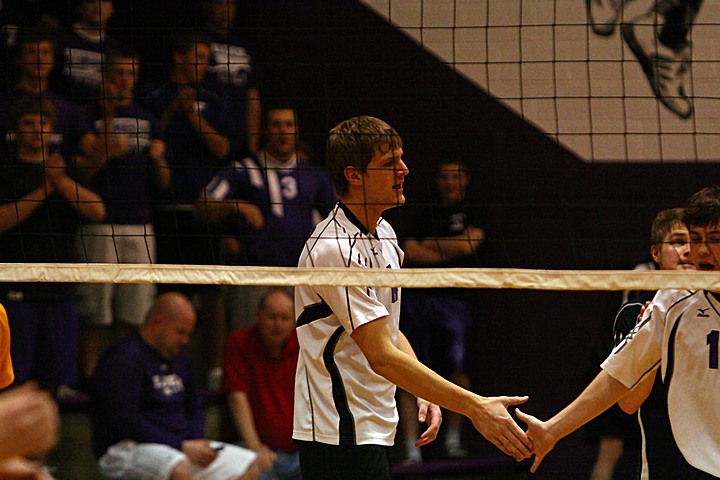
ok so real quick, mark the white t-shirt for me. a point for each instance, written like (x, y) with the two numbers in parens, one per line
(339, 400)
(680, 332)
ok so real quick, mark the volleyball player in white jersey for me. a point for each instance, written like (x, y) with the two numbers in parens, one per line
(352, 354)
(678, 333)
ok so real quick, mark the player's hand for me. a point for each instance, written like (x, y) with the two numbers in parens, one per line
(430, 414)
(199, 451)
(494, 422)
(541, 439)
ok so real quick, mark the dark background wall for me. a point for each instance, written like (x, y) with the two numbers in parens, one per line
(549, 209)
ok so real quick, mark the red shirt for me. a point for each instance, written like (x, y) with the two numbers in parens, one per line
(268, 383)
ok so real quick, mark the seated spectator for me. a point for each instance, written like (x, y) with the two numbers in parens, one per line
(259, 377)
(147, 415)
(42, 202)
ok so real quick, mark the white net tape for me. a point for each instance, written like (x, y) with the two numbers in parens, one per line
(408, 278)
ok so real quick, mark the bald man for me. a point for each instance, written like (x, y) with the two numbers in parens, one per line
(148, 420)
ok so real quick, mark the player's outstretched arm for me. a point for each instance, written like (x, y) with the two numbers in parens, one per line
(489, 415)
(602, 393)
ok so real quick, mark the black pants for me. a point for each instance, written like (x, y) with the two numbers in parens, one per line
(320, 461)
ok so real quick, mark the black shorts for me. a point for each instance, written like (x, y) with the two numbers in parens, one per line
(320, 461)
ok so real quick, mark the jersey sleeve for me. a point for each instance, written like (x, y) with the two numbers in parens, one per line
(353, 306)
(625, 321)
(641, 351)
(227, 183)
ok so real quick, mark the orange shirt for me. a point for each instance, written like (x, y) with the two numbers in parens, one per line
(7, 375)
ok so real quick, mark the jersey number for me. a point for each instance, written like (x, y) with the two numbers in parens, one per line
(712, 341)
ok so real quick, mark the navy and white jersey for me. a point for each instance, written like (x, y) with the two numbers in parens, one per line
(233, 72)
(124, 182)
(192, 163)
(339, 400)
(80, 76)
(232, 64)
(287, 193)
(679, 333)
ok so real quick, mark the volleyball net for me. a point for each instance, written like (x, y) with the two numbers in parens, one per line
(575, 127)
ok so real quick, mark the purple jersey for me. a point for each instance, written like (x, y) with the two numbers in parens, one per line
(138, 395)
(80, 75)
(286, 193)
(192, 164)
(124, 182)
(232, 73)
(232, 64)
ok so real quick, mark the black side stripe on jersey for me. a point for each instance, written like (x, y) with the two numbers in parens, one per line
(312, 404)
(346, 428)
(316, 311)
(350, 310)
(671, 352)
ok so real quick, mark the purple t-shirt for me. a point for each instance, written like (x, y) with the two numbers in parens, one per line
(192, 163)
(124, 183)
(233, 72)
(79, 76)
(140, 396)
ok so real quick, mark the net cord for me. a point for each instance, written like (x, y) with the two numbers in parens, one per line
(491, 278)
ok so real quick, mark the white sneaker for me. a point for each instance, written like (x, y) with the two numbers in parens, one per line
(603, 15)
(664, 67)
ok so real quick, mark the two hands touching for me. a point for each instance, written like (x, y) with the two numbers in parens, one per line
(496, 424)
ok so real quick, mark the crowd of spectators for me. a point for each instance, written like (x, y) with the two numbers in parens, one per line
(116, 151)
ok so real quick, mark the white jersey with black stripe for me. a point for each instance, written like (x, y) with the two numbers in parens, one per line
(680, 332)
(339, 400)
